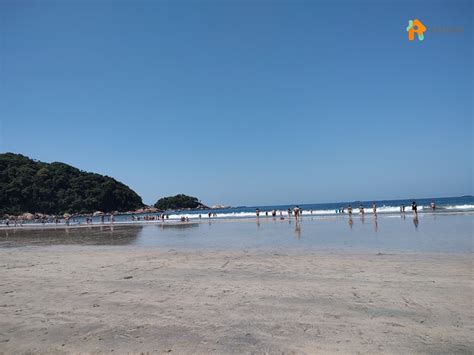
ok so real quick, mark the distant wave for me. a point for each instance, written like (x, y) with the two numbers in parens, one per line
(327, 212)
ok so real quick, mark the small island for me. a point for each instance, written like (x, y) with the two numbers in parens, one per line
(179, 202)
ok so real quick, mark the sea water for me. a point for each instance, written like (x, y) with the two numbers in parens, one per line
(445, 204)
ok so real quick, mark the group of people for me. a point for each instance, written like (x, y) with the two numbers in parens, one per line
(161, 216)
(297, 211)
(18, 221)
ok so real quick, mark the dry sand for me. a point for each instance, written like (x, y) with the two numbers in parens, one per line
(71, 299)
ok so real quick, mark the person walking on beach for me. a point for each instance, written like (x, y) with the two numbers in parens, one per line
(349, 210)
(361, 209)
(374, 209)
(289, 212)
(414, 208)
(402, 208)
(257, 212)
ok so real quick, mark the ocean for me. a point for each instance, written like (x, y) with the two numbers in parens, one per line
(384, 207)
(443, 204)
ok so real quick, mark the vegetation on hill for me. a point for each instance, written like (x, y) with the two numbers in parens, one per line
(31, 186)
(178, 202)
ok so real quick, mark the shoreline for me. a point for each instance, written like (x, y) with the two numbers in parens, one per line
(206, 220)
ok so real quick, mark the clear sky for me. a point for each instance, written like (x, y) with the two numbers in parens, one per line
(244, 102)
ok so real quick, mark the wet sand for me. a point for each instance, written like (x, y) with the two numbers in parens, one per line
(447, 233)
(70, 298)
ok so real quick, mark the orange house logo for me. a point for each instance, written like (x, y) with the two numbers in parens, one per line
(415, 26)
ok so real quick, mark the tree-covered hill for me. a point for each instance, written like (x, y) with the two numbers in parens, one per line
(31, 186)
(178, 202)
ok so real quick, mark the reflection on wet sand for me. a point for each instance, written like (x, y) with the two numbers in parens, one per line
(415, 221)
(435, 234)
(180, 226)
(104, 235)
(298, 230)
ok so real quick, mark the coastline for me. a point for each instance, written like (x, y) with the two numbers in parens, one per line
(206, 220)
(103, 299)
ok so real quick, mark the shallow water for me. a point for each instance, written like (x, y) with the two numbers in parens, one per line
(430, 233)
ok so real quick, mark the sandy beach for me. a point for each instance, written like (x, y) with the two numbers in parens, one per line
(97, 299)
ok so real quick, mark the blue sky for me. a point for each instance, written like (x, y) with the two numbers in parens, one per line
(244, 103)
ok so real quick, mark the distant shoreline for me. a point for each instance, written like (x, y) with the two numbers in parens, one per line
(205, 220)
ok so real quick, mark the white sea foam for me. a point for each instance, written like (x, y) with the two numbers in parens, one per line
(459, 207)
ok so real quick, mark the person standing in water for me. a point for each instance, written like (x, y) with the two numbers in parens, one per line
(414, 208)
(349, 210)
(297, 212)
(374, 209)
(257, 212)
(433, 206)
(361, 209)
